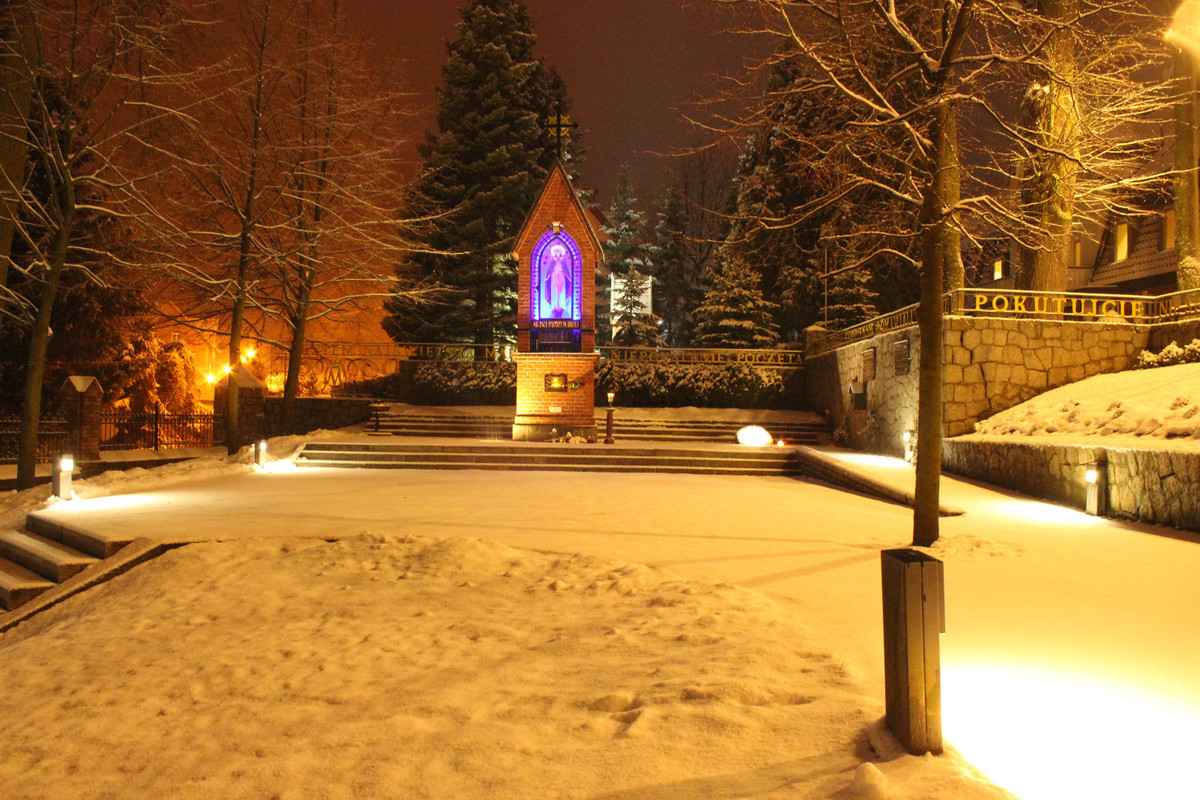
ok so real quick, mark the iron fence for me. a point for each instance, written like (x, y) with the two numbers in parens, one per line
(153, 430)
(52, 435)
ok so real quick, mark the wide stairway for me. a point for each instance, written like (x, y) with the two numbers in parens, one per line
(805, 430)
(561, 457)
(45, 555)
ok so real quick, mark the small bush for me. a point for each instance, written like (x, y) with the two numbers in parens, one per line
(483, 383)
(669, 384)
(1169, 356)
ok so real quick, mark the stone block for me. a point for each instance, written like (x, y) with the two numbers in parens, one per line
(1037, 380)
(1013, 355)
(987, 336)
(971, 339)
(961, 357)
(1001, 337)
(973, 374)
(1051, 330)
(953, 374)
(1033, 360)
(1057, 376)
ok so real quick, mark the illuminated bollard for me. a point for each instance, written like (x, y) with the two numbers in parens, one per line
(914, 616)
(608, 422)
(60, 476)
(1096, 478)
(260, 453)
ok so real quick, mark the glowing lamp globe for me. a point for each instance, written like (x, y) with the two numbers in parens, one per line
(753, 436)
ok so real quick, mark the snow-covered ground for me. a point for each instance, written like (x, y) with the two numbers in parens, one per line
(515, 635)
(1157, 407)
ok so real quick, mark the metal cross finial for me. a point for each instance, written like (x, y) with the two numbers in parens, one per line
(560, 127)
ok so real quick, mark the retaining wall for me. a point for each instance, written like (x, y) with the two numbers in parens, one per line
(315, 413)
(991, 365)
(1155, 486)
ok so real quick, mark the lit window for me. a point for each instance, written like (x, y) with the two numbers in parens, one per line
(998, 269)
(1077, 254)
(1121, 248)
(1168, 229)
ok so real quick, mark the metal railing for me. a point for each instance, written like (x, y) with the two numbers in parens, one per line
(52, 435)
(153, 430)
(1012, 304)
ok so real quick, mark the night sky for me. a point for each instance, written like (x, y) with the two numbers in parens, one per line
(633, 67)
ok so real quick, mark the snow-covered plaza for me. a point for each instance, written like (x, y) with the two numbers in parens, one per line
(470, 634)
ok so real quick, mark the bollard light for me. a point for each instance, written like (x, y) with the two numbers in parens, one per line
(260, 453)
(60, 476)
(608, 422)
(1096, 478)
(910, 445)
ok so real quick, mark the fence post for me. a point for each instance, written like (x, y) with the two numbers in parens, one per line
(156, 423)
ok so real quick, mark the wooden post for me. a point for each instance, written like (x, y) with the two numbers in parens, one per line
(913, 617)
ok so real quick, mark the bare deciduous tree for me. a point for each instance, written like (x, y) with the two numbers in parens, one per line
(75, 86)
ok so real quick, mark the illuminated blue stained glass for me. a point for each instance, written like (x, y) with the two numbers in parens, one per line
(556, 279)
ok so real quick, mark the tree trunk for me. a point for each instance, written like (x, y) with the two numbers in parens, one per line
(291, 386)
(953, 276)
(1187, 195)
(1053, 121)
(934, 223)
(35, 369)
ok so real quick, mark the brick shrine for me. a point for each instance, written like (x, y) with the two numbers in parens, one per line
(557, 253)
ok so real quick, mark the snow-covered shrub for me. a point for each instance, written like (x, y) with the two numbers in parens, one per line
(442, 383)
(1169, 356)
(665, 383)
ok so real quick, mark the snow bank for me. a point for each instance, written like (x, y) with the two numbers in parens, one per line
(383, 666)
(1159, 404)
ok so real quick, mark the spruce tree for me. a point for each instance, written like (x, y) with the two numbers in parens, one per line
(626, 256)
(677, 281)
(734, 312)
(480, 177)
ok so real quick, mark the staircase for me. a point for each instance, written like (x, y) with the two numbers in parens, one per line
(561, 457)
(625, 428)
(45, 555)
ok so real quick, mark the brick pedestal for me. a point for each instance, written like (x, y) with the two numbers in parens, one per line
(544, 413)
(79, 400)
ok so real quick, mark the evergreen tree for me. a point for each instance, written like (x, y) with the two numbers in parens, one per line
(633, 323)
(626, 255)
(481, 175)
(734, 312)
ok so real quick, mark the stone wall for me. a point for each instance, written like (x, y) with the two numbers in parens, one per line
(991, 364)
(1155, 486)
(1179, 332)
(315, 413)
(872, 413)
(995, 364)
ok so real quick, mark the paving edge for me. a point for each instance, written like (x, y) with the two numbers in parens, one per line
(815, 464)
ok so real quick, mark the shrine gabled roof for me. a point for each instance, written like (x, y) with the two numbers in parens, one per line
(590, 220)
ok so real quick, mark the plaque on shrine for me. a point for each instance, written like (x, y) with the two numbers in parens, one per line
(557, 252)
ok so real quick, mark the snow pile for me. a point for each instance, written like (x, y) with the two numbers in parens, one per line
(385, 666)
(1163, 403)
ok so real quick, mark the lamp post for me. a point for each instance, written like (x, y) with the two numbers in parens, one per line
(608, 423)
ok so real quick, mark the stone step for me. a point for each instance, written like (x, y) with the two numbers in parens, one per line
(766, 461)
(97, 545)
(19, 585)
(50, 559)
(696, 469)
